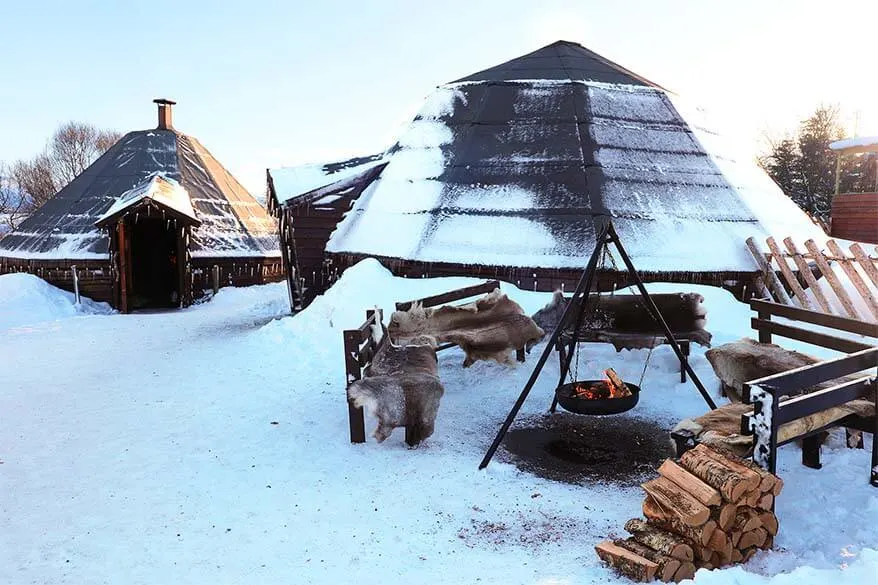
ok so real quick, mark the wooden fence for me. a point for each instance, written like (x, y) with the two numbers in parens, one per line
(830, 281)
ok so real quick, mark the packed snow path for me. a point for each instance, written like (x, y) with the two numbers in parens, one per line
(210, 445)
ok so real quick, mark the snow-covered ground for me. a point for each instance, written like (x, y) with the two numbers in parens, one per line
(210, 445)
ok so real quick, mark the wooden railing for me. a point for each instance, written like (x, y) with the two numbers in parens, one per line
(812, 283)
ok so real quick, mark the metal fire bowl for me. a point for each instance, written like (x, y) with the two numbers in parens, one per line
(601, 406)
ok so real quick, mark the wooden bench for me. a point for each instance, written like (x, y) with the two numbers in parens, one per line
(763, 324)
(360, 348)
(453, 296)
(770, 410)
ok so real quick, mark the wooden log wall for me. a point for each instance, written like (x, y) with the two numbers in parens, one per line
(741, 284)
(96, 280)
(855, 217)
(234, 272)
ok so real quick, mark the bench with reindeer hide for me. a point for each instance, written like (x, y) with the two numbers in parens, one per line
(790, 396)
(489, 328)
(625, 320)
(398, 384)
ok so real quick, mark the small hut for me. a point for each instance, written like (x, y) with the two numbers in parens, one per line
(154, 222)
(854, 214)
(309, 201)
(508, 173)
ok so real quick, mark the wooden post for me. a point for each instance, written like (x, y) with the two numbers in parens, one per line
(811, 452)
(684, 347)
(75, 284)
(806, 273)
(764, 336)
(865, 263)
(356, 417)
(181, 266)
(854, 276)
(788, 275)
(123, 265)
(768, 274)
(215, 276)
(832, 279)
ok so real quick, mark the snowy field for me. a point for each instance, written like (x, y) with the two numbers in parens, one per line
(210, 445)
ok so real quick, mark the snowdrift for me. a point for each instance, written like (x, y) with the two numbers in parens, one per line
(26, 299)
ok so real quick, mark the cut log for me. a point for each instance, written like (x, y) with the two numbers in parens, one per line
(747, 553)
(703, 554)
(769, 543)
(753, 538)
(725, 516)
(753, 477)
(778, 486)
(633, 566)
(751, 498)
(707, 565)
(765, 502)
(735, 537)
(661, 541)
(746, 520)
(658, 516)
(737, 557)
(621, 388)
(729, 483)
(769, 522)
(687, 508)
(690, 484)
(686, 571)
(667, 566)
(721, 543)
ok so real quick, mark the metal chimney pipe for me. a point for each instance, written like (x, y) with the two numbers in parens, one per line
(165, 118)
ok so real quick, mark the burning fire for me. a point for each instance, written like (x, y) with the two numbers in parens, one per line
(610, 387)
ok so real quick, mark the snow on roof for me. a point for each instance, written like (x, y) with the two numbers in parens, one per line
(523, 186)
(518, 173)
(289, 183)
(860, 144)
(233, 223)
(164, 191)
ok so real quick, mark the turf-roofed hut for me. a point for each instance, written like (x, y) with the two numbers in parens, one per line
(507, 173)
(309, 201)
(153, 222)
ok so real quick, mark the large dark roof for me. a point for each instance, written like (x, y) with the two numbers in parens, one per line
(562, 60)
(520, 173)
(233, 223)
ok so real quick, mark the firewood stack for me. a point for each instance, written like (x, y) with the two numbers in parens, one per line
(708, 510)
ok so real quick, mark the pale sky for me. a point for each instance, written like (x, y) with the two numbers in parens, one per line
(265, 83)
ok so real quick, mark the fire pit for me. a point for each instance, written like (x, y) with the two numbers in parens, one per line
(597, 397)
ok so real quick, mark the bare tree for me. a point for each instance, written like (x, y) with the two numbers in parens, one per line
(34, 177)
(13, 203)
(70, 150)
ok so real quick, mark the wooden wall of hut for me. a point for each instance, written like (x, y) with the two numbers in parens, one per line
(313, 223)
(95, 276)
(740, 284)
(855, 217)
(98, 282)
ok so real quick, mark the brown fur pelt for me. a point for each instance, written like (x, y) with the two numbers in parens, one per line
(746, 359)
(626, 321)
(402, 389)
(489, 328)
(741, 361)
